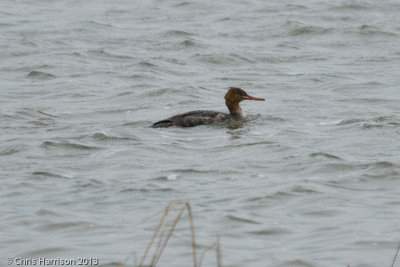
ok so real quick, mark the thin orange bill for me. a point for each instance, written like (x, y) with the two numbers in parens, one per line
(254, 98)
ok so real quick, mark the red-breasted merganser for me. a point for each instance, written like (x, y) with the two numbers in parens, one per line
(202, 117)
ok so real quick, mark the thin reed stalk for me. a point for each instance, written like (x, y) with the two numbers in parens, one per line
(153, 238)
(219, 256)
(395, 256)
(162, 246)
(163, 233)
(204, 253)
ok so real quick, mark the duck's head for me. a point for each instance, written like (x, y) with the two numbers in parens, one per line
(237, 95)
(234, 96)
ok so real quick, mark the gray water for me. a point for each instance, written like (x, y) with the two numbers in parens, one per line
(310, 178)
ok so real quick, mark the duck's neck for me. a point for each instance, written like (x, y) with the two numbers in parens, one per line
(234, 108)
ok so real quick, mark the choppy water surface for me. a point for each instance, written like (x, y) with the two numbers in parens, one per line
(311, 178)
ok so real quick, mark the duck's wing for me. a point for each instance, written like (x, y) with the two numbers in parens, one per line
(192, 118)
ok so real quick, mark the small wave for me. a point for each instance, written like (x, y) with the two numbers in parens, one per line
(242, 58)
(48, 174)
(367, 126)
(365, 100)
(382, 174)
(335, 122)
(182, 4)
(273, 118)
(373, 30)
(350, 7)
(386, 119)
(309, 30)
(241, 220)
(336, 167)
(295, 7)
(297, 263)
(142, 77)
(303, 190)
(116, 12)
(189, 43)
(322, 154)
(185, 171)
(224, 19)
(377, 122)
(9, 117)
(63, 226)
(50, 144)
(379, 164)
(147, 64)
(162, 91)
(169, 189)
(12, 150)
(95, 24)
(29, 113)
(280, 195)
(231, 125)
(38, 75)
(103, 136)
(253, 117)
(350, 121)
(27, 42)
(75, 54)
(164, 178)
(177, 33)
(100, 53)
(42, 122)
(380, 170)
(172, 60)
(46, 212)
(134, 190)
(196, 171)
(144, 124)
(370, 170)
(219, 59)
(269, 232)
(382, 121)
(100, 135)
(254, 144)
(322, 213)
(123, 94)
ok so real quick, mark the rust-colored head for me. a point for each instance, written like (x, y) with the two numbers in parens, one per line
(234, 96)
(237, 94)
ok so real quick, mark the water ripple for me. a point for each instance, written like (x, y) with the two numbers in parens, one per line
(39, 75)
(381, 121)
(271, 231)
(49, 174)
(177, 33)
(309, 30)
(241, 220)
(326, 155)
(67, 145)
(13, 149)
(373, 30)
